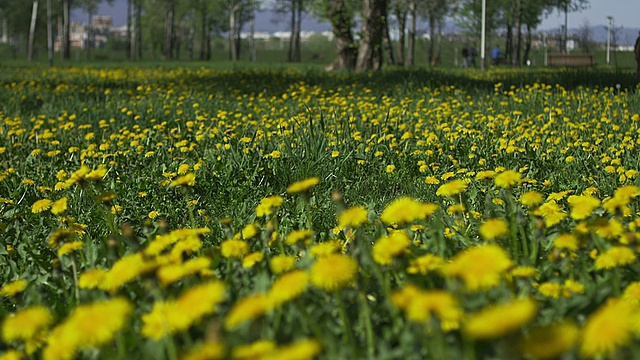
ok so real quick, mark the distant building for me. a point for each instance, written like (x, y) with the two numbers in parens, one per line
(101, 30)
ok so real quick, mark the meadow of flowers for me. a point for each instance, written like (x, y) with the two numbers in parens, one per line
(194, 213)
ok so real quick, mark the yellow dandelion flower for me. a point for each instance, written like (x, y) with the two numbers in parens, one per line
(325, 249)
(70, 247)
(582, 206)
(551, 213)
(12, 355)
(246, 309)
(632, 293)
(91, 279)
(507, 179)
(255, 350)
(608, 229)
(287, 287)
(440, 303)
(496, 321)
(188, 180)
(524, 272)
(333, 272)
(566, 242)
(12, 288)
(252, 259)
(551, 289)
(206, 351)
(303, 185)
(79, 329)
(58, 236)
(572, 287)
(171, 273)
(614, 257)
(234, 248)
(282, 263)
(249, 231)
(452, 188)
(456, 209)
(300, 350)
(550, 342)
(123, 271)
(299, 236)
(487, 174)
(41, 205)
(432, 180)
(268, 205)
(25, 324)
(609, 328)
(170, 317)
(403, 297)
(390, 246)
(425, 264)
(479, 267)
(406, 210)
(493, 229)
(59, 206)
(161, 321)
(353, 217)
(531, 198)
(183, 168)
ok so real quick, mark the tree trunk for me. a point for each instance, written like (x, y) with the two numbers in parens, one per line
(518, 40)
(204, 35)
(298, 49)
(232, 33)
(401, 15)
(292, 36)
(49, 34)
(4, 38)
(138, 30)
(432, 39)
(66, 30)
(129, 33)
(527, 44)
(388, 45)
(252, 34)
(374, 13)
(191, 43)
(341, 22)
(32, 30)
(411, 46)
(89, 34)
(168, 31)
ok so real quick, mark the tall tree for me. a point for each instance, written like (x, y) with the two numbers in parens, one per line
(32, 30)
(90, 6)
(234, 7)
(374, 14)
(411, 42)
(341, 15)
(49, 33)
(66, 30)
(169, 22)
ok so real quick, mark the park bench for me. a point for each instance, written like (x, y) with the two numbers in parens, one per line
(570, 60)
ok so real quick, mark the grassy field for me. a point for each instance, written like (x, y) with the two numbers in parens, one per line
(198, 212)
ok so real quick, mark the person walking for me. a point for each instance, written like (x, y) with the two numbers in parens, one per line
(472, 56)
(495, 55)
(465, 57)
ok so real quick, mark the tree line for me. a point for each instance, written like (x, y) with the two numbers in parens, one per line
(361, 28)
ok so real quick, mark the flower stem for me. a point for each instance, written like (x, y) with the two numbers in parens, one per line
(366, 317)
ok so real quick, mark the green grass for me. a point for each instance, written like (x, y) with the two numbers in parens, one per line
(247, 132)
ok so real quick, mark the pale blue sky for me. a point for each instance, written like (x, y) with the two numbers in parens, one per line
(625, 13)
